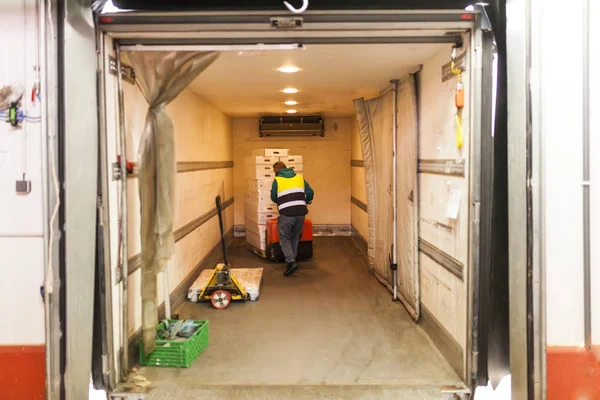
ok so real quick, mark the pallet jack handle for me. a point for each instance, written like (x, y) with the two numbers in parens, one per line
(220, 214)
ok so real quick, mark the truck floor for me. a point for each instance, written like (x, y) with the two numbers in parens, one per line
(331, 329)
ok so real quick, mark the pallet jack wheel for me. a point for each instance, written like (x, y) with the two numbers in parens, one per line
(220, 299)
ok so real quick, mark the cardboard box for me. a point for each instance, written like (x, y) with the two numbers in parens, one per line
(261, 160)
(258, 217)
(259, 172)
(259, 229)
(259, 197)
(298, 168)
(291, 159)
(260, 185)
(255, 240)
(264, 206)
(254, 208)
(270, 152)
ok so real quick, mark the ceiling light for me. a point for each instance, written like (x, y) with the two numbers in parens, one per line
(289, 69)
(291, 111)
(291, 103)
(290, 90)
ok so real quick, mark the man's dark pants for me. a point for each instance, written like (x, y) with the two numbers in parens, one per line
(290, 229)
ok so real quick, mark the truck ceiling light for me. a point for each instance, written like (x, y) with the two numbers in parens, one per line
(291, 111)
(290, 90)
(291, 103)
(289, 69)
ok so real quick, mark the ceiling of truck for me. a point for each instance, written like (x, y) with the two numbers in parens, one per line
(330, 77)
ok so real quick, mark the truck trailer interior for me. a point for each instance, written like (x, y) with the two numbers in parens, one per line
(384, 85)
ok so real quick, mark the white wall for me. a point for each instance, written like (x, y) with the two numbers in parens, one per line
(595, 166)
(21, 217)
(561, 127)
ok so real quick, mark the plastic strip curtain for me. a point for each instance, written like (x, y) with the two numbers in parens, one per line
(376, 119)
(161, 76)
(407, 201)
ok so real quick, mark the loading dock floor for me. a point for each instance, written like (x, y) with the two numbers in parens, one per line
(330, 332)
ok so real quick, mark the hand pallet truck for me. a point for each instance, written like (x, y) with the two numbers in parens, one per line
(222, 288)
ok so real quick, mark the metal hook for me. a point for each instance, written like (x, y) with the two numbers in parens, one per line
(297, 10)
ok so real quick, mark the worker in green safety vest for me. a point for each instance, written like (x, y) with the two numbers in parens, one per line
(292, 194)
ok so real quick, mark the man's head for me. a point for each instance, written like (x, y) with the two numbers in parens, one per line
(278, 166)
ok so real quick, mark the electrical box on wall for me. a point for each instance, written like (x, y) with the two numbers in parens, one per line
(23, 187)
(271, 126)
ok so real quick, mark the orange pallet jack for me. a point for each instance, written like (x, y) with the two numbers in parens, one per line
(305, 247)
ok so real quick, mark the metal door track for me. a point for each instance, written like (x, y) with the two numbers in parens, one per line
(127, 396)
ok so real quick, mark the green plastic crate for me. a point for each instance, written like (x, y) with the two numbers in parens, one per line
(177, 354)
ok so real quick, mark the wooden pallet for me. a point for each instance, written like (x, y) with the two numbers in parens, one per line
(256, 250)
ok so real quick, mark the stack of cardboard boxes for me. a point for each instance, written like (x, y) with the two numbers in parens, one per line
(258, 205)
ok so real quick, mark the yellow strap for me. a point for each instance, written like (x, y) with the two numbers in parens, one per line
(459, 132)
(455, 71)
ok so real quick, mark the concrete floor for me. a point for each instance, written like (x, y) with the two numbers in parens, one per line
(331, 331)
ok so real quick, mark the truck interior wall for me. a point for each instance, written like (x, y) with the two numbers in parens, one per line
(443, 294)
(202, 133)
(326, 167)
(359, 216)
(203, 141)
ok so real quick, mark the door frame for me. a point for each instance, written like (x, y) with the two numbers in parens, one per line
(481, 211)
(322, 27)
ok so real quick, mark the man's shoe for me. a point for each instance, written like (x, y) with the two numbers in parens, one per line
(291, 268)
